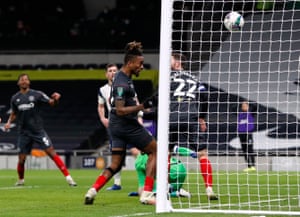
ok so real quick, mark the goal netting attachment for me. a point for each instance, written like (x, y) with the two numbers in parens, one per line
(257, 64)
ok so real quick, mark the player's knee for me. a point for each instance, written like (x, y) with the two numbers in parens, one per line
(117, 164)
(113, 171)
(22, 158)
(151, 148)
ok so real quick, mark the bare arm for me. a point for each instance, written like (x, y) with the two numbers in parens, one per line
(140, 120)
(121, 110)
(101, 113)
(12, 118)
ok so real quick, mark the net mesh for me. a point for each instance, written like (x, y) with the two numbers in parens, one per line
(258, 64)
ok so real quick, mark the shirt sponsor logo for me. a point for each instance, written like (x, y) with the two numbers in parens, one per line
(24, 107)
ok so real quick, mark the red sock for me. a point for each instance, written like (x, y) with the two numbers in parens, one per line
(101, 180)
(21, 170)
(149, 182)
(206, 171)
(60, 164)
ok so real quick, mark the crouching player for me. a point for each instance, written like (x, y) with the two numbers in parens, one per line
(177, 173)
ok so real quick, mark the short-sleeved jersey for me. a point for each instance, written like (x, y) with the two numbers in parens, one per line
(188, 96)
(27, 108)
(104, 97)
(123, 89)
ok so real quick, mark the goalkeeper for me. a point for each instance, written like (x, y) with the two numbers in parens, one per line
(176, 177)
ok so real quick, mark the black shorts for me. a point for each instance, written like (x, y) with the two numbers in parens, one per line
(26, 139)
(132, 133)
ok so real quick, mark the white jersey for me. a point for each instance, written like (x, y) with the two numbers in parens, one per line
(104, 95)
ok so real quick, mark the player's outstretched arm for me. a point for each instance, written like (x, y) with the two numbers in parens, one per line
(182, 151)
(54, 99)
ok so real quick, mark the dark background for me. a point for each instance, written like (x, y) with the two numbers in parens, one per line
(65, 24)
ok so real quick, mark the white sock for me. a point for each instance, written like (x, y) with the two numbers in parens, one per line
(117, 178)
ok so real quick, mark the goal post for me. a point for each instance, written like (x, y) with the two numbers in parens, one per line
(163, 120)
(258, 64)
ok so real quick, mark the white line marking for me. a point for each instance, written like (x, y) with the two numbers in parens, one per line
(136, 214)
(17, 187)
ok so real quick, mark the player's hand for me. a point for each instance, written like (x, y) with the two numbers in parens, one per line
(7, 126)
(56, 96)
(150, 102)
(194, 155)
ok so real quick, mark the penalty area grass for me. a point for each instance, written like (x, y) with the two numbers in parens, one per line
(46, 194)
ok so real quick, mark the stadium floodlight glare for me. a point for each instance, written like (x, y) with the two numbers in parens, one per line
(258, 63)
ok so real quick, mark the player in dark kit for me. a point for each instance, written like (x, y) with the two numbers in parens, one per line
(25, 106)
(188, 109)
(124, 127)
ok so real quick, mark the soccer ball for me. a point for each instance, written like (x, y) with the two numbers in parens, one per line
(234, 21)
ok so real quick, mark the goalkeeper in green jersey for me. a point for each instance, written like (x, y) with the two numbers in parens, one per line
(176, 177)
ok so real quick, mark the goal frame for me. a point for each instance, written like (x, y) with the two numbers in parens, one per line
(163, 204)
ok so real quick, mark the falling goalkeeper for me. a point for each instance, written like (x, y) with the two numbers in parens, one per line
(176, 177)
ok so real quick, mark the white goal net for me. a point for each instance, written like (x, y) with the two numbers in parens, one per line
(258, 64)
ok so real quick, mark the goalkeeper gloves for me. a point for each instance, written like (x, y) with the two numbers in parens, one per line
(194, 154)
(184, 152)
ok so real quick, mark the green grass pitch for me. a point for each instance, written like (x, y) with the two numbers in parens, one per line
(47, 194)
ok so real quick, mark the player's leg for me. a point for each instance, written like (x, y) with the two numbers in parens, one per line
(118, 154)
(117, 179)
(145, 142)
(247, 147)
(198, 144)
(251, 157)
(177, 178)
(207, 173)
(147, 195)
(117, 160)
(46, 144)
(60, 165)
(21, 169)
(24, 143)
(244, 146)
(117, 182)
(140, 168)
